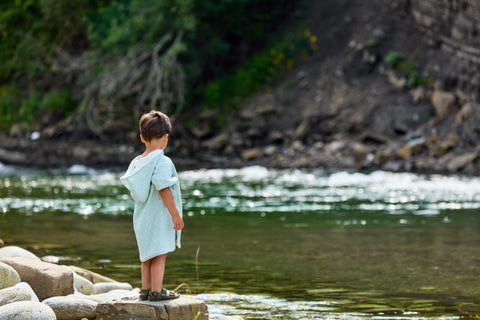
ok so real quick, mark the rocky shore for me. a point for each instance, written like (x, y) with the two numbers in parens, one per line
(31, 288)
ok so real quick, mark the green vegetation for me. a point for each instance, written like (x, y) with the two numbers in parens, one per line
(397, 62)
(104, 60)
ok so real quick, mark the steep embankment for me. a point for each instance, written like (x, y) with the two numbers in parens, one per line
(343, 107)
(346, 108)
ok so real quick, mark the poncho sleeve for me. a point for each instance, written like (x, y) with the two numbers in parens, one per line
(163, 174)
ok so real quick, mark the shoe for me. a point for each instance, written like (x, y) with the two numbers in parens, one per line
(144, 293)
(163, 295)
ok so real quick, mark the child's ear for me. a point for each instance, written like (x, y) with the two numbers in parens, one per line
(141, 138)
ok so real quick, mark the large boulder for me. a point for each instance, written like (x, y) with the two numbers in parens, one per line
(113, 295)
(14, 251)
(81, 284)
(19, 292)
(8, 276)
(46, 279)
(90, 275)
(183, 308)
(27, 310)
(71, 307)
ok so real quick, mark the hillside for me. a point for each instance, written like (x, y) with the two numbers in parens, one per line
(342, 107)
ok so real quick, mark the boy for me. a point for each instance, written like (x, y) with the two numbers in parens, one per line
(157, 219)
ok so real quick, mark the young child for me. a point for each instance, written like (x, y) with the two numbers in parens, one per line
(157, 219)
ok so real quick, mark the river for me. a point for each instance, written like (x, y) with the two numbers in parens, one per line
(272, 244)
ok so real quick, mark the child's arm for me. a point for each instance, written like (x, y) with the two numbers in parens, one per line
(167, 198)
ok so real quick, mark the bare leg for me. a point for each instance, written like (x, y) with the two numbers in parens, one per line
(157, 270)
(146, 275)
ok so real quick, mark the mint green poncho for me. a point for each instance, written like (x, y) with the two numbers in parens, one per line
(152, 222)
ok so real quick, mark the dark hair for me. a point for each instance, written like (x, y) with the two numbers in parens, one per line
(154, 125)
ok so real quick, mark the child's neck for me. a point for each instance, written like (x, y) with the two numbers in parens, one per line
(150, 147)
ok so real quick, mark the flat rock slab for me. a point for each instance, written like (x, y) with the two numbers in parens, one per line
(183, 308)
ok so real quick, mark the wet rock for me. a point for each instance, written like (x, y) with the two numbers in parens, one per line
(27, 310)
(8, 276)
(183, 308)
(90, 275)
(20, 292)
(14, 251)
(46, 279)
(71, 308)
(103, 287)
(443, 102)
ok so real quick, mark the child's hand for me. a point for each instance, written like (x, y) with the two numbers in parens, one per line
(177, 222)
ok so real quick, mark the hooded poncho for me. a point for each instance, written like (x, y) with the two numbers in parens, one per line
(152, 221)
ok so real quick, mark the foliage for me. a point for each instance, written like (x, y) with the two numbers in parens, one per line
(396, 61)
(102, 59)
(260, 70)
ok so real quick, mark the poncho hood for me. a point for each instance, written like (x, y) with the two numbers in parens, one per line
(138, 177)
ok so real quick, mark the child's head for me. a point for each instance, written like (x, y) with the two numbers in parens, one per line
(154, 125)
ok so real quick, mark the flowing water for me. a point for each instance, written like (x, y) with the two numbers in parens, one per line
(272, 244)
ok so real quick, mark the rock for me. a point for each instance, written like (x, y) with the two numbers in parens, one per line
(90, 275)
(419, 95)
(2, 244)
(113, 295)
(412, 148)
(183, 308)
(81, 284)
(27, 310)
(224, 317)
(467, 110)
(46, 279)
(103, 287)
(71, 307)
(251, 154)
(20, 292)
(459, 162)
(14, 251)
(443, 146)
(217, 142)
(443, 102)
(8, 276)
(398, 82)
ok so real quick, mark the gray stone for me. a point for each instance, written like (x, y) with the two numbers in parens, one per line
(46, 279)
(71, 307)
(14, 251)
(103, 287)
(8, 276)
(19, 292)
(183, 308)
(26, 310)
(90, 275)
(82, 284)
(113, 295)
(443, 102)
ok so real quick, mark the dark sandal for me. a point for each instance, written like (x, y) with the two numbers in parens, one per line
(163, 295)
(144, 293)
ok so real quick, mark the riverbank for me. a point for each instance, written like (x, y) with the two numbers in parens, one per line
(34, 288)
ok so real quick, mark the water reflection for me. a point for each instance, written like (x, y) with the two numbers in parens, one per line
(288, 244)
